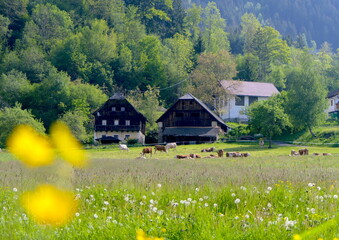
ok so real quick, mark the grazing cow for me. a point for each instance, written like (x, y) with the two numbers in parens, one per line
(234, 154)
(193, 155)
(316, 154)
(147, 150)
(246, 154)
(220, 153)
(303, 151)
(123, 147)
(294, 153)
(171, 145)
(183, 156)
(211, 149)
(327, 154)
(160, 148)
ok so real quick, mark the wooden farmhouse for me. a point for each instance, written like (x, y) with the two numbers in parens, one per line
(117, 120)
(190, 121)
(333, 104)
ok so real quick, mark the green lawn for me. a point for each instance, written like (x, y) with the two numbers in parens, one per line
(268, 195)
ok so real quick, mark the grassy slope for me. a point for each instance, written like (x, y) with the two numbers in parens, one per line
(325, 134)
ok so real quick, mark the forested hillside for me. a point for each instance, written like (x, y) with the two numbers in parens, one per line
(295, 19)
(62, 59)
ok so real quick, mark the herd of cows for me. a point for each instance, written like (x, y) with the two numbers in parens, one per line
(304, 151)
(168, 146)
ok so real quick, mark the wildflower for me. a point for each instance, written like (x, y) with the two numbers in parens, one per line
(15, 189)
(163, 230)
(237, 201)
(206, 204)
(319, 188)
(269, 205)
(243, 188)
(106, 203)
(49, 205)
(215, 205)
(141, 235)
(197, 189)
(95, 215)
(67, 145)
(311, 184)
(77, 214)
(30, 147)
(296, 237)
(269, 188)
(247, 216)
(201, 199)
(159, 185)
(335, 196)
(233, 194)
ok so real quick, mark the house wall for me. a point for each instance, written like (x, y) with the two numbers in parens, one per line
(233, 112)
(332, 104)
(121, 135)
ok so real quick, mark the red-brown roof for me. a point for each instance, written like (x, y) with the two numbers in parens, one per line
(243, 88)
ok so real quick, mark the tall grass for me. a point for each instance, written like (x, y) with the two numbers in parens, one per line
(266, 196)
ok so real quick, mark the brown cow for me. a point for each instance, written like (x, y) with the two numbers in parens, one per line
(327, 154)
(220, 153)
(182, 156)
(193, 155)
(246, 154)
(147, 150)
(211, 149)
(160, 148)
(294, 152)
(303, 151)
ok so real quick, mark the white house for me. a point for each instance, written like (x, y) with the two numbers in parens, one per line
(243, 94)
(333, 103)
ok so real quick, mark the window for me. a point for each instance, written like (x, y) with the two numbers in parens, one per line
(191, 102)
(179, 114)
(240, 101)
(122, 109)
(114, 109)
(128, 122)
(127, 136)
(195, 115)
(252, 100)
(104, 122)
(116, 122)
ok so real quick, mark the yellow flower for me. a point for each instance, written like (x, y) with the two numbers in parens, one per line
(163, 230)
(49, 205)
(67, 145)
(141, 235)
(30, 147)
(296, 237)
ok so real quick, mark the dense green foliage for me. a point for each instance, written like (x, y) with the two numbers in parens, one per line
(61, 59)
(300, 21)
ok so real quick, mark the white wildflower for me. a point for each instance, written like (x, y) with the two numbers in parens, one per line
(106, 203)
(197, 189)
(77, 214)
(237, 201)
(335, 196)
(269, 188)
(233, 194)
(215, 205)
(206, 204)
(15, 189)
(95, 215)
(311, 184)
(159, 185)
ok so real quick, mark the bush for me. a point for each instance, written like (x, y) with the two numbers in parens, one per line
(132, 141)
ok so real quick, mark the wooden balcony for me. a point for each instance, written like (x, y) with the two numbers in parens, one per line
(192, 123)
(117, 128)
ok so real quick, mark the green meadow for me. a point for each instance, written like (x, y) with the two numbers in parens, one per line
(268, 195)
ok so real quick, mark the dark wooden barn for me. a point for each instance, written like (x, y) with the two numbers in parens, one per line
(189, 121)
(117, 120)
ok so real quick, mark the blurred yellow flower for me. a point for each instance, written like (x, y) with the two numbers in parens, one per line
(141, 235)
(67, 145)
(30, 147)
(49, 205)
(296, 237)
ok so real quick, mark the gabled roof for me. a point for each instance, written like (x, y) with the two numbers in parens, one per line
(118, 97)
(189, 96)
(333, 93)
(243, 88)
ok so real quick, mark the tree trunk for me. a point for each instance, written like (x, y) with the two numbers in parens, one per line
(312, 133)
(270, 142)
